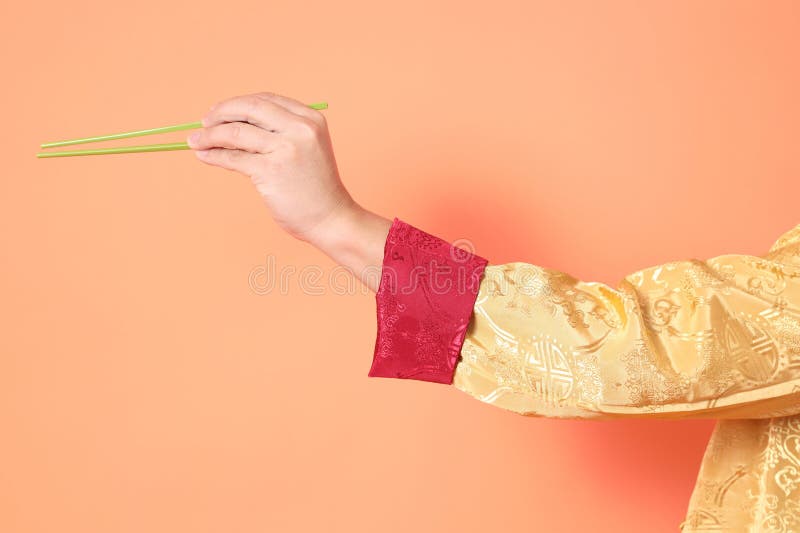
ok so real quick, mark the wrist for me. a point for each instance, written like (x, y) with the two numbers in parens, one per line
(330, 234)
(354, 237)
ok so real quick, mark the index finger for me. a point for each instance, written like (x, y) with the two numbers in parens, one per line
(253, 109)
(295, 106)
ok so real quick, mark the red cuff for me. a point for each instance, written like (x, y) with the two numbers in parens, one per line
(425, 299)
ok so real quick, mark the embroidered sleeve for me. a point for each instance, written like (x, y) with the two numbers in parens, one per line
(718, 338)
(424, 305)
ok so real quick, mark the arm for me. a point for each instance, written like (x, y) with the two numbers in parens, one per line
(704, 339)
(686, 339)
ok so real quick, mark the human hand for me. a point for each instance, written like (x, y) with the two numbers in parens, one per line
(284, 147)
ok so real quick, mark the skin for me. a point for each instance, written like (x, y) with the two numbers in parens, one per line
(284, 147)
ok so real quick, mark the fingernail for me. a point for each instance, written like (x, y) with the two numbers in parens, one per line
(193, 138)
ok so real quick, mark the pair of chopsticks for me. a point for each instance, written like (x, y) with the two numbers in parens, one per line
(132, 149)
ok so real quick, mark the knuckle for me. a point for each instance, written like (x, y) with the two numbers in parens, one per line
(237, 156)
(318, 119)
(235, 130)
(308, 128)
(210, 156)
(225, 157)
(253, 102)
(211, 136)
(222, 156)
(286, 148)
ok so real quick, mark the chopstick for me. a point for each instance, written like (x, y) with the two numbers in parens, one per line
(137, 133)
(119, 150)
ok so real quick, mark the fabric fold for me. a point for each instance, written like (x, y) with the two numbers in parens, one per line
(424, 305)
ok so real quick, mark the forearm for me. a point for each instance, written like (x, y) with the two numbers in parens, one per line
(354, 238)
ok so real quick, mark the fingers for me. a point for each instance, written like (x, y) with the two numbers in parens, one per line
(245, 162)
(239, 131)
(235, 135)
(261, 112)
(295, 106)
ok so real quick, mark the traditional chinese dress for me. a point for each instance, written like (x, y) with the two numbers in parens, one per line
(717, 339)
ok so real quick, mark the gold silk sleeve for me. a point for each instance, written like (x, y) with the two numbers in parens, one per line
(718, 338)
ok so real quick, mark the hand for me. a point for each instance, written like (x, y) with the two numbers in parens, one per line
(285, 148)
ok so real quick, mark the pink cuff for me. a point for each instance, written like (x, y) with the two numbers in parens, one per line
(424, 302)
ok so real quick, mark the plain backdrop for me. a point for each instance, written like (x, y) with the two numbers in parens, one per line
(149, 384)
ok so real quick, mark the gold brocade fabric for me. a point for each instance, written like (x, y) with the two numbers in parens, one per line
(717, 339)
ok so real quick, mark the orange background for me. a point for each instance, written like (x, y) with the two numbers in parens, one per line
(146, 388)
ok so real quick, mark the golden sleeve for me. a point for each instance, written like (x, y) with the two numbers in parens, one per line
(718, 338)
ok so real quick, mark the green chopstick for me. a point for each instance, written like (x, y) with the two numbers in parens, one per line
(119, 150)
(137, 133)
